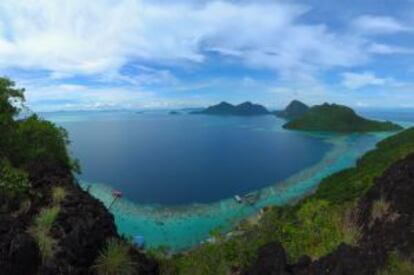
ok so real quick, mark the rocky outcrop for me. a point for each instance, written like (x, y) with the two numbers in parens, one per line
(81, 230)
(19, 253)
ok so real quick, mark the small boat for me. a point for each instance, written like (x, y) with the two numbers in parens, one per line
(117, 194)
(238, 199)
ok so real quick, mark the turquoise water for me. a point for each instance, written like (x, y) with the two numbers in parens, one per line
(182, 226)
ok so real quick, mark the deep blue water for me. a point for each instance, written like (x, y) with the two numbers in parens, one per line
(160, 158)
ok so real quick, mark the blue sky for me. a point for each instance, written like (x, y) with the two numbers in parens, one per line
(133, 54)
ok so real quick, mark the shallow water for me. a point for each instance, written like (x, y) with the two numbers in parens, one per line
(182, 226)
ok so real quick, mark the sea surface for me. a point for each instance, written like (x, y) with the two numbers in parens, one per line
(179, 173)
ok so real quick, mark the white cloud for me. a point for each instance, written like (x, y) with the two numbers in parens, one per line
(370, 24)
(378, 48)
(95, 37)
(360, 80)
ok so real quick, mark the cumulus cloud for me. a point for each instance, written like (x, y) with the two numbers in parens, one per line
(93, 37)
(370, 24)
(360, 80)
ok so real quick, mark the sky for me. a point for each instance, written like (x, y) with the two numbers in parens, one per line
(139, 54)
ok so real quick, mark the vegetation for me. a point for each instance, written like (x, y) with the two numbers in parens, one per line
(337, 118)
(46, 218)
(398, 266)
(314, 226)
(380, 208)
(115, 259)
(40, 230)
(14, 183)
(45, 242)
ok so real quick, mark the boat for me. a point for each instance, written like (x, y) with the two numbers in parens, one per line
(238, 199)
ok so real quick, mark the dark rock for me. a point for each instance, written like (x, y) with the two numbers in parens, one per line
(271, 260)
(19, 253)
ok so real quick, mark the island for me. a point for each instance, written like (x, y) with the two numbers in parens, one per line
(174, 113)
(337, 118)
(226, 109)
(294, 110)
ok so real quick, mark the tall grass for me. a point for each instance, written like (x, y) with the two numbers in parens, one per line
(114, 259)
(45, 219)
(40, 230)
(380, 208)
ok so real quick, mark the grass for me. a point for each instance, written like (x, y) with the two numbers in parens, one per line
(45, 242)
(58, 194)
(114, 259)
(45, 219)
(40, 230)
(398, 266)
(380, 208)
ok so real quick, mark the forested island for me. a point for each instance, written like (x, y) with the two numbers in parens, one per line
(337, 118)
(227, 109)
(294, 110)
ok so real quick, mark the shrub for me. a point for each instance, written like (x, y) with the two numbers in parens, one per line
(398, 266)
(380, 208)
(45, 219)
(58, 194)
(114, 259)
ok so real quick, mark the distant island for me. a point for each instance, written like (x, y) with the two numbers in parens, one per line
(337, 118)
(244, 109)
(294, 110)
(174, 113)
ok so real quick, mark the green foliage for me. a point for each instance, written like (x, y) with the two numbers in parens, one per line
(349, 184)
(337, 118)
(45, 219)
(115, 259)
(14, 183)
(58, 194)
(38, 140)
(398, 266)
(10, 100)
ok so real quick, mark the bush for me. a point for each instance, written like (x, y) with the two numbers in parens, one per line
(38, 140)
(114, 259)
(398, 266)
(14, 183)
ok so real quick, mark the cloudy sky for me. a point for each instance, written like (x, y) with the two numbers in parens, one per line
(105, 54)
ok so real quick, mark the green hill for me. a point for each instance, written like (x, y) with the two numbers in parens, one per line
(338, 118)
(294, 110)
